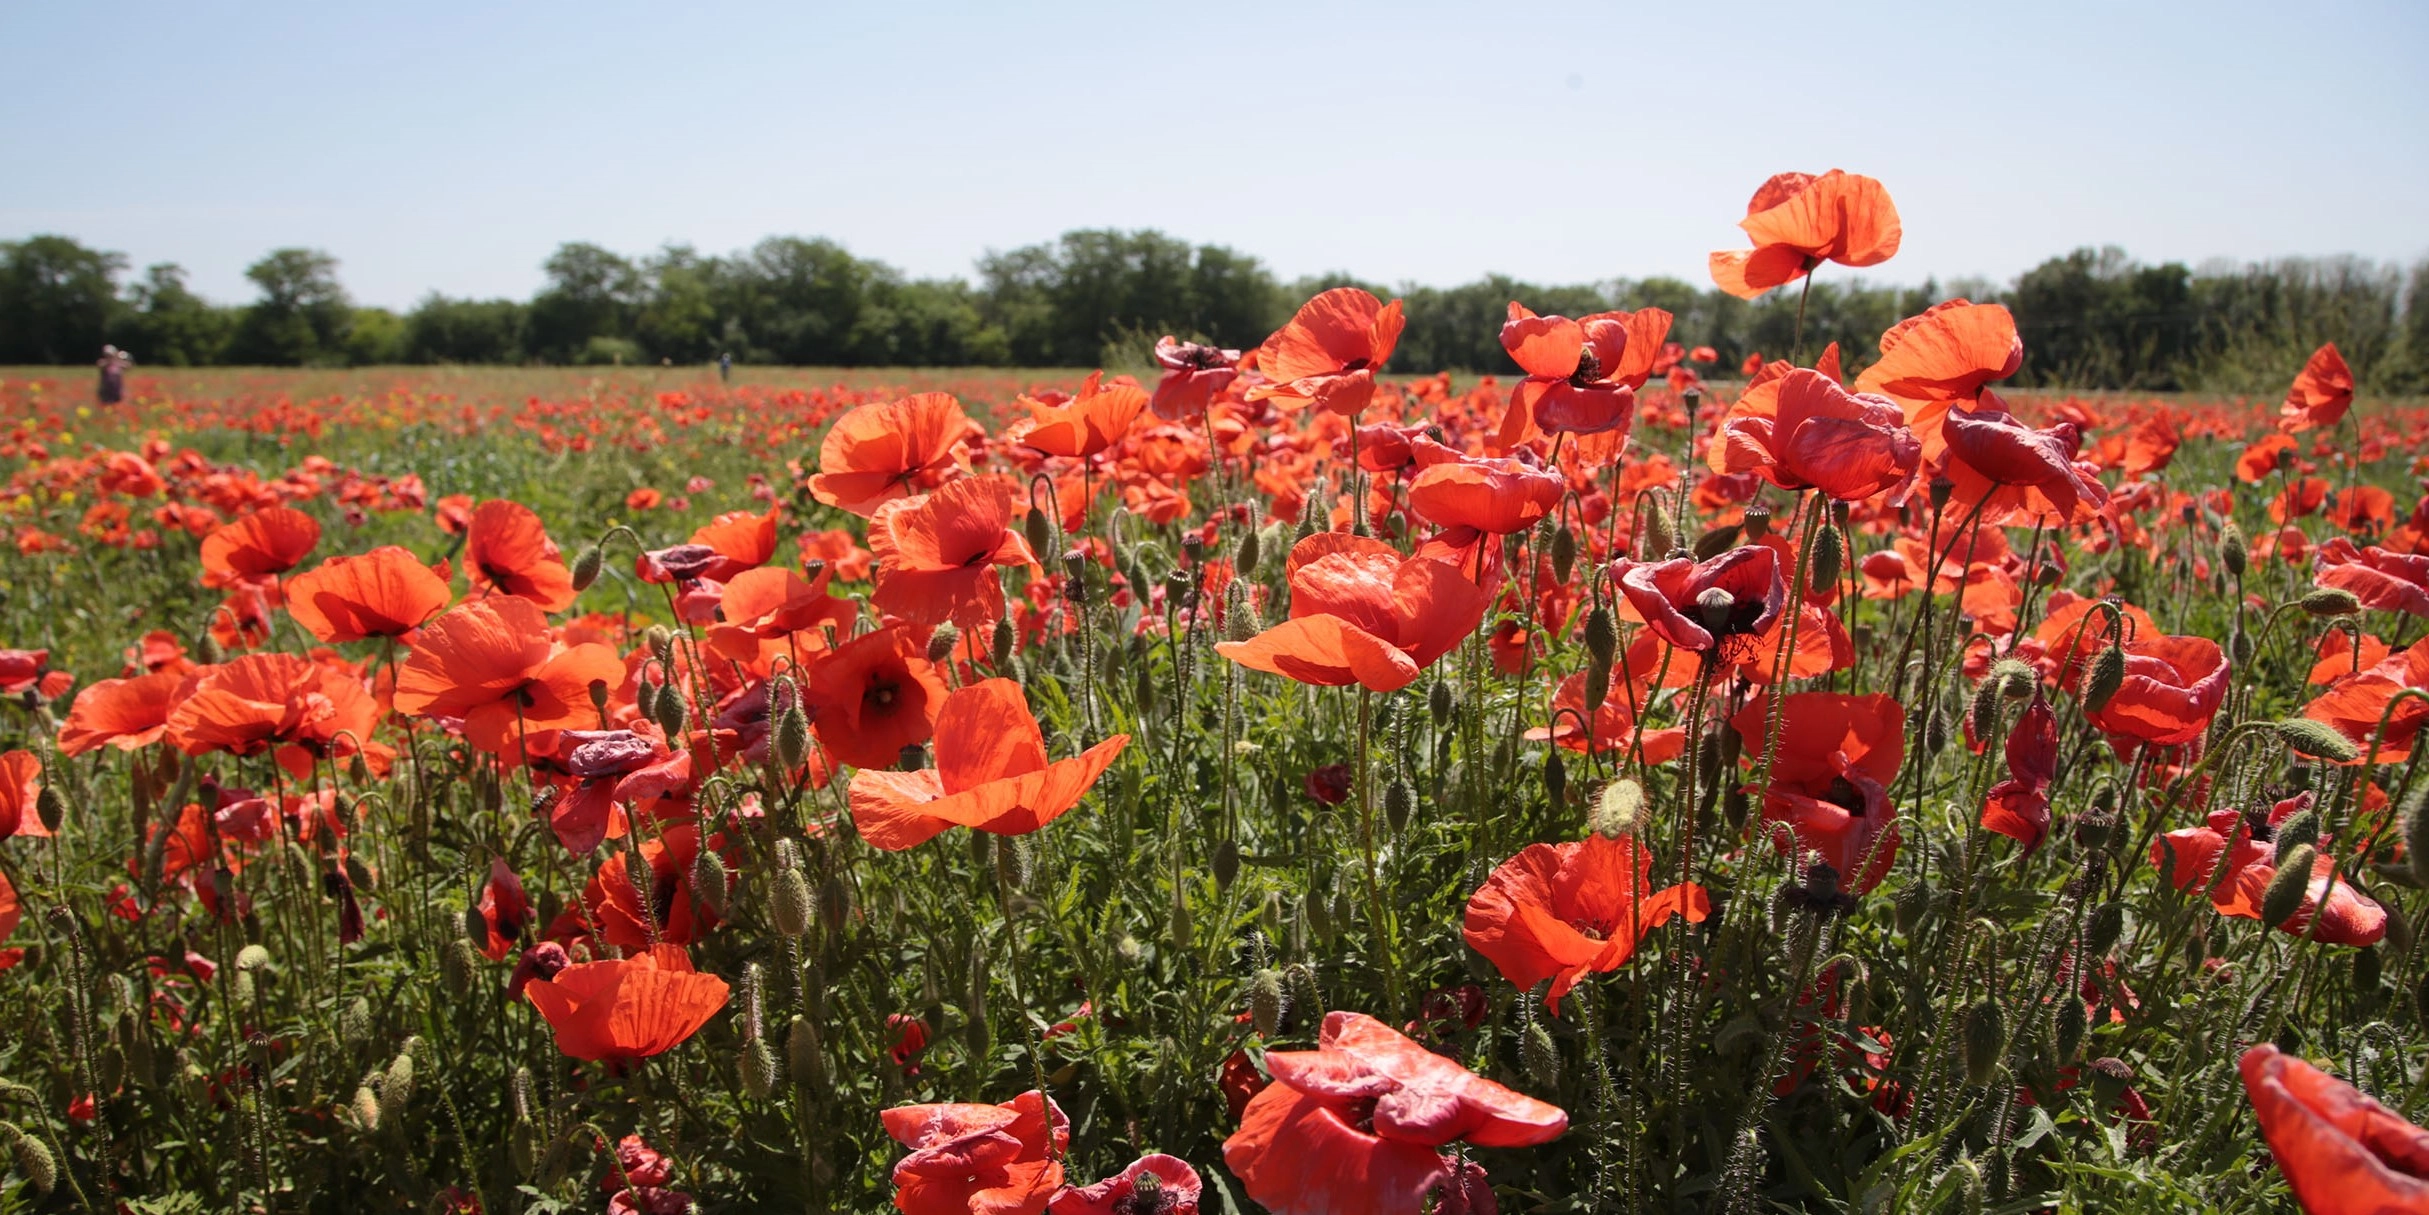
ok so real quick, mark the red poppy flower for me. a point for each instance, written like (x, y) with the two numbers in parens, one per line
(261, 545)
(248, 705)
(129, 714)
(1492, 496)
(1088, 423)
(493, 663)
(386, 592)
(1000, 1159)
(1823, 437)
(20, 787)
(1363, 613)
(22, 669)
(2383, 581)
(875, 695)
(2018, 807)
(1700, 606)
(1830, 779)
(676, 913)
(1613, 725)
(1329, 353)
(1563, 911)
(2261, 457)
(507, 552)
(2189, 859)
(2340, 1151)
(1798, 221)
(765, 608)
(1176, 1191)
(991, 774)
(736, 541)
(628, 1008)
(1193, 376)
(1355, 1127)
(2321, 395)
(2173, 686)
(879, 452)
(1581, 375)
(2354, 704)
(2016, 473)
(1941, 358)
(936, 555)
(504, 910)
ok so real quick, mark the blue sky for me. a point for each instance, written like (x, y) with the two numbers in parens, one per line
(450, 146)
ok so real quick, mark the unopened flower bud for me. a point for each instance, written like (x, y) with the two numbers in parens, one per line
(34, 1159)
(366, 1108)
(50, 808)
(2416, 834)
(2108, 674)
(2233, 552)
(1225, 864)
(1564, 553)
(1440, 703)
(2068, 1030)
(1000, 651)
(789, 902)
(2331, 601)
(1539, 1055)
(1602, 634)
(1829, 557)
(661, 643)
(1265, 1001)
(1555, 777)
(1399, 800)
(2317, 739)
(942, 641)
(710, 880)
(587, 567)
(757, 1068)
(1985, 1040)
(1038, 530)
(803, 1055)
(1619, 810)
(2284, 896)
(1658, 539)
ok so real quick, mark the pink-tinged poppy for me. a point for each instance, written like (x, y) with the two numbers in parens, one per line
(965, 1158)
(2340, 1151)
(1798, 221)
(1363, 613)
(1194, 375)
(937, 554)
(1329, 353)
(2015, 473)
(991, 774)
(2356, 704)
(1581, 375)
(1356, 1126)
(2321, 395)
(21, 670)
(20, 789)
(1846, 445)
(2018, 806)
(1829, 790)
(1700, 606)
(2173, 687)
(1564, 911)
(1174, 1191)
(2383, 581)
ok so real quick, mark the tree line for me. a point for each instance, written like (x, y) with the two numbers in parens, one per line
(2093, 318)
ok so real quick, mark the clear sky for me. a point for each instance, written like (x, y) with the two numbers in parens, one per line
(450, 146)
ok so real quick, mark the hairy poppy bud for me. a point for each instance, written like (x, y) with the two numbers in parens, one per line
(1908, 907)
(396, 1084)
(252, 958)
(1555, 777)
(942, 641)
(2233, 552)
(1181, 926)
(1620, 810)
(2108, 674)
(2284, 895)
(1539, 1055)
(1440, 702)
(1598, 686)
(1973, 1190)
(1829, 557)
(1265, 1001)
(2300, 828)
(354, 1022)
(587, 567)
(789, 902)
(1983, 713)
(366, 1109)
(802, 1054)
(1318, 917)
(1038, 530)
(1935, 732)
(757, 1068)
(207, 651)
(50, 807)
(661, 643)
(645, 698)
(1398, 801)
(2317, 739)
(34, 1158)
(1225, 864)
(2240, 646)
(710, 880)
(2068, 1030)
(1564, 553)
(458, 963)
(2416, 834)
(1985, 1040)
(673, 714)
(2366, 972)
(1602, 634)
(2100, 933)
(2331, 601)
(1244, 558)
(1658, 539)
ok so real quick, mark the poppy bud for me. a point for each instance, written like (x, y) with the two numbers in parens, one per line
(710, 880)
(1973, 1190)
(34, 1158)
(1598, 686)
(757, 1068)
(1142, 691)
(789, 902)
(1441, 703)
(1716, 541)
(2068, 1032)
(1941, 488)
(396, 1084)
(1344, 909)
(1555, 777)
(587, 566)
(645, 698)
(2299, 829)
(2399, 930)
(1226, 863)
(366, 1109)
(802, 1055)
(458, 963)
(1829, 557)
(2101, 932)
(354, 1022)
(50, 807)
(661, 643)
(1602, 634)
(1038, 530)
(942, 641)
(1658, 538)
(1984, 711)
(2233, 552)
(1985, 1040)
(1539, 1055)
(2196, 951)
(672, 712)
(2284, 895)
(2317, 739)
(834, 900)
(1265, 1001)
(1318, 917)
(1935, 732)
(1398, 801)
(252, 958)
(2331, 601)
(2108, 674)
(1757, 522)
(1620, 809)
(1564, 553)
(1244, 559)
(207, 651)
(1181, 927)
(2366, 971)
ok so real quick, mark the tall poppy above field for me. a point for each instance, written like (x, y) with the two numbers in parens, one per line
(1089, 422)
(261, 545)
(1798, 221)
(936, 554)
(2322, 392)
(991, 774)
(875, 453)
(1581, 375)
(1329, 354)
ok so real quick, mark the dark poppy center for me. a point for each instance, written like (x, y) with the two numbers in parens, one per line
(881, 696)
(1589, 368)
(662, 890)
(1843, 794)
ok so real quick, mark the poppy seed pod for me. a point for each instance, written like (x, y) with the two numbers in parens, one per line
(1225, 864)
(2284, 895)
(1941, 488)
(50, 807)
(2317, 739)
(1829, 557)
(587, 566)
(1985, 1040)
(1757, 522)
(1398, 801)
(2108, 674)
(2067, 1033)
(2233, 552)
(1715, 605)
(1564, 553)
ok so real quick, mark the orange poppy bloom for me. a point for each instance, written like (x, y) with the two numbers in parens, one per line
(2173, 686)
(1829, 790)
(1941, 358)
(2355, 703)
(1564, 911)
(250, 704)
(764, 608)
(2262, 457)
(1362, 613)
(1086, 424)
(740, 540)
(507, 552)
(1823, 437)
(991, 774)
(2321, 395)
(386, 592)
(1002, 1159)
(878, 452)
(1614, 724)
(1329, 353)
(627, 1009)
(675, 915)
(493, 664)
(936, 555)
(2343, 1153)
(1582, 375)
(874, 695)
(1494, 496)
(261, 545)
(20, 785)
(2383, 581)
(129, 714)
(1798, 221)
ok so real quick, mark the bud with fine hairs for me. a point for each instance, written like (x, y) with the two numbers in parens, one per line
(2326, 601)
(2283, 897)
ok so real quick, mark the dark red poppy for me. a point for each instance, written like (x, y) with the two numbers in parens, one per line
(1564, 911)
(1194, 375)
(1700, 606)
(2018, 807)
(2340, 1151)
(1581, 375)
(1829, 790)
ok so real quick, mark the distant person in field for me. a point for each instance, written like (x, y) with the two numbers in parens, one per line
(113, 364)
(725, 367)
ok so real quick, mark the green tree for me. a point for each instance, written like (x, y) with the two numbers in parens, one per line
(375, 337)
(167, 325)
(1062, 304)
(303, 315)
(444, 330)
(678, 318)
(57, 300)
(591, 293)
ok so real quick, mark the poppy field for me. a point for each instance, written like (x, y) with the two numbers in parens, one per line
(1245, 783)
